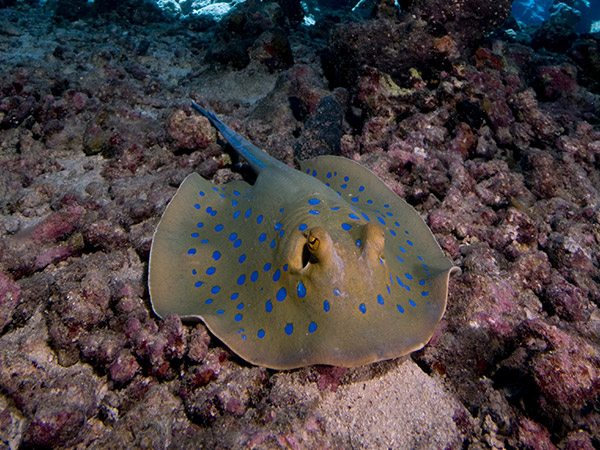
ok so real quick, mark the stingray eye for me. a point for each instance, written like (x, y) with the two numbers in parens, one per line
(313, 243)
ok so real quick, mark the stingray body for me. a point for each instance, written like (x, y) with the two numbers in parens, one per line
(320, 266)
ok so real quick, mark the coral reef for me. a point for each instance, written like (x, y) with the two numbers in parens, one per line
(495, 142)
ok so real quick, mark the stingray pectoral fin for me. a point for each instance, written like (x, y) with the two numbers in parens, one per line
(187, 247)
(171, 242)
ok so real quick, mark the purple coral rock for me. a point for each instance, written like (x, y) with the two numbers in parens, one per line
(123, 368)
(190, 131)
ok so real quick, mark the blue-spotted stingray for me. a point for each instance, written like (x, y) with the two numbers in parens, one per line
(320, 266)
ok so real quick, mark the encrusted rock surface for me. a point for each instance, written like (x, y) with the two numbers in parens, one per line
(497, 145)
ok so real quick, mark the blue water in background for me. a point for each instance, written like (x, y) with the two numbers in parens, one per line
(582, 15)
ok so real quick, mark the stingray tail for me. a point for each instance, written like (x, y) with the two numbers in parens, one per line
(257, 158)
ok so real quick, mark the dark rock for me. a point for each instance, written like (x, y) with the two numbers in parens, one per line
(272, 49)
(10, 297)
(322, 131)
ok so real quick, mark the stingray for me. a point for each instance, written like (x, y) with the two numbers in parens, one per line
(320, 266)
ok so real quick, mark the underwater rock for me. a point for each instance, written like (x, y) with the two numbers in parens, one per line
(322, 131)
(190, 132)
(10, 297)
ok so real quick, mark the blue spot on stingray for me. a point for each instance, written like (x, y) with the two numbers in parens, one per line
(208, 301)
(220, 311)
(238, 317)
(380, 299)
(314, 212)
(328, 175)
(197, 205)
(236, 214)
(191, 251)
(215, 188)
(335, 208)
(259, 219)
(285, 267)
(201, 194)
(353, 216)
(277, 226)
(262, 237)
(216, 255)
(402, 249)
(392, 232)
(388, 289)
(248, 213)
(260, 333)
(326, 306)
(312, 327)
(281, 233)
(337, 292)
(234, 203)
(354, 199)
(361, 188)
(369, 202)
(240, 306)
(314, 173)
(386, 205)
(267, 267)
(198, 284)
(254, 276)
(358, 242)
(421, 282)
(237, 243)
(281, 210)
(199, 225)
(381, 220)
(408, 276)
(362, 308)
(236, 193)
(346, 226)
(276, 275)
(215, 289)
(194, 272)
(397, 224)
(233, 236)
(289, 329)
(242, 258)
(210, 211)
(235, 296)
(313, 201)
(400, 258)
(400, 309)
(389, 214)
(412, 302)
(420, 258)
(211, 270)
(302, 227)
(301, 289)
(195, 235)
(273, 243)
(424, 293)
(281, 294)
(409, 242)
(367, 218)
(268, 306)
(307, 170)
(241, 279)
(343, 186)
(204, 241)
